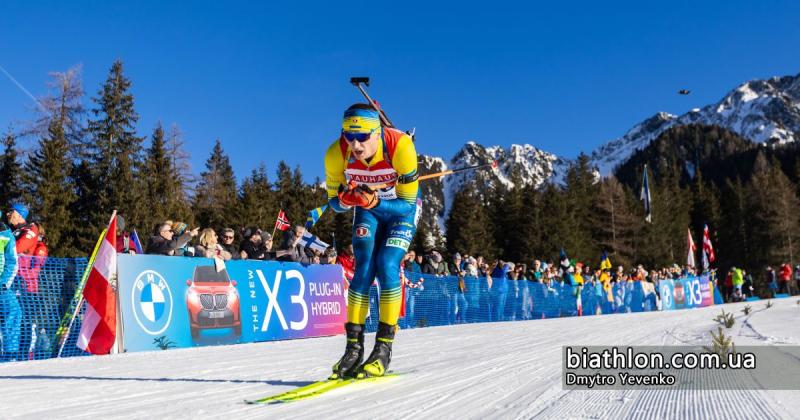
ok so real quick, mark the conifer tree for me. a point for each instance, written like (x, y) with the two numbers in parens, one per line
(468, 227)
(734, 228)
(705, 208)
(773, 214)
(580, 193)
(53, 196)
(114, 152)
(215, 201)
(554, 222)
(290, 193)
(614, 223)
(157, 176)
(256, 200)
(11, 176)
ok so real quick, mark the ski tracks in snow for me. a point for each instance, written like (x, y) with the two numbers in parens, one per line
(499, 370)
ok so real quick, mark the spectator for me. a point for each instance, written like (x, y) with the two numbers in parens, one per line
(297, 252)
(228, 236)
(124, 244)
(458, 302)
(10, 313)
(30, 242)
(164, 242)
(747, 285)
(772, 280)
(434, 265)
(413, 281)
(420, 261)
(180, 228)
(796, 279)
(330, 256)
(410, 262)
(348, 263)
(499, 289)
(737, 281)
(253, 247)
(209, 248)
(785, 278)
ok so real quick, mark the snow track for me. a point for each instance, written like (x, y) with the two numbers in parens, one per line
(502, 370)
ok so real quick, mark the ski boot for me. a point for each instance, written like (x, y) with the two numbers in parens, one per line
(377, 363)
(348, 365)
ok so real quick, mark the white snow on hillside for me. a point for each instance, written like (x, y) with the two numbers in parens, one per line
(502, 370)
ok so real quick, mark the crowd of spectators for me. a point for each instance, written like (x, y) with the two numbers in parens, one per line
(175, 239)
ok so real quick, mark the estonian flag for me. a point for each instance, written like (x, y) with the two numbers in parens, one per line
(645, 197)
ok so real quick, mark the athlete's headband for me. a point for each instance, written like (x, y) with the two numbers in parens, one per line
(361, 121)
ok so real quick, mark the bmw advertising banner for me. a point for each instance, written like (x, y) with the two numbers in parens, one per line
(686, 292)
(169, 302)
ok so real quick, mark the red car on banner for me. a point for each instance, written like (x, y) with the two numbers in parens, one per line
(212, 301)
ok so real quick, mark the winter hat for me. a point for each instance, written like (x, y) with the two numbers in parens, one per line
(179, 227)
(21, 209)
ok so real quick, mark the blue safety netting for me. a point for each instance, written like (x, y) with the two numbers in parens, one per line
(33, 308)
(446, 301)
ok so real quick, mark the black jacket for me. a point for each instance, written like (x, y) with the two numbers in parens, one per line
(160, 246)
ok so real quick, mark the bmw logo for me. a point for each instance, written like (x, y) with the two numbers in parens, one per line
(151, 300)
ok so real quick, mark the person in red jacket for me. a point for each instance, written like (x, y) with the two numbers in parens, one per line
(348, 263)
(784, 277)
(30, 242)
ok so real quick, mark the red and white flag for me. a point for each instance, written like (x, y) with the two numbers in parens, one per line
(282, 223)
(692, 249)
(708, 249)
(99, 328)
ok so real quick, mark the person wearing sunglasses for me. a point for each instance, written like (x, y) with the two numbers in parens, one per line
(373, 170)
(227, 237)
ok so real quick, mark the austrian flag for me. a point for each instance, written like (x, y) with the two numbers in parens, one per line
(99, 328)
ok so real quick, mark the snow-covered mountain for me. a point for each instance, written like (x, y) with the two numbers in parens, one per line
(763, 111)
(758, 110)
(534, 167)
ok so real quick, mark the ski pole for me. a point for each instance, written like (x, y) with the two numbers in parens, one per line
(493, 165)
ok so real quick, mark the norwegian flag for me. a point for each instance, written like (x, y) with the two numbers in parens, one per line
(692, 249)
(282, 223)
(708, 249)
(99, 328)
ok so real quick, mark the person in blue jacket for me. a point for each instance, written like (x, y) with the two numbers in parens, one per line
(10, 313)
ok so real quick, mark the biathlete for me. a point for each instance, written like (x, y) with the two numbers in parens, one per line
(367, 155)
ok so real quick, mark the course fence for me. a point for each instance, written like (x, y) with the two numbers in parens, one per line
(42, 293)
(448, 300)
(33, 308)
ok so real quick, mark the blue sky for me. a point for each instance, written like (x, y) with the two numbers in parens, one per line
(271, 79)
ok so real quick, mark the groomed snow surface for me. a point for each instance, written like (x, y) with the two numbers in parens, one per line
(501, 370)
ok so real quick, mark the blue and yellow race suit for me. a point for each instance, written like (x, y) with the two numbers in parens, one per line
(381, 235)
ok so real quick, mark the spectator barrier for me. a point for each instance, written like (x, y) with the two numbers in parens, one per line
(275, 304)
(184, 302)
(32, 310)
